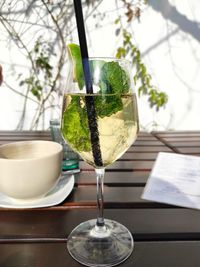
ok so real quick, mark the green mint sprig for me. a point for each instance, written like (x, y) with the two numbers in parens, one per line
(113, 81)
(75, 125)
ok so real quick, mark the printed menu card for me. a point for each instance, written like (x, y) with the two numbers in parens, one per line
(174, 179)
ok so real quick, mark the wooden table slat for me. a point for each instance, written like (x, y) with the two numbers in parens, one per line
(150, 149)
(113, 178)
(123, 165)
(144, 224)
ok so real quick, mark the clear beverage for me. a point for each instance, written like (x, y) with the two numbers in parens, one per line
(117, 130)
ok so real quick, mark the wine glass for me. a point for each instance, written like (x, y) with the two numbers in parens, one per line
(100, 127)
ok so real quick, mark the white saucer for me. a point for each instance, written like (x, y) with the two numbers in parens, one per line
(54, 197)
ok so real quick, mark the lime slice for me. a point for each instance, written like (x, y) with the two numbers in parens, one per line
(75, 55)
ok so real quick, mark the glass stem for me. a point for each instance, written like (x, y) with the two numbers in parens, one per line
(100, 203)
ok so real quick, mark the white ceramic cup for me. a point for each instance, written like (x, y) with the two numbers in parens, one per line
(29, 169)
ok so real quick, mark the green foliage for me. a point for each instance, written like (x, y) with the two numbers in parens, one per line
(75, 121)
(142, 78)
(115, 78)
(75, 125)
(40, 76)
(108, 105)
(113, 81)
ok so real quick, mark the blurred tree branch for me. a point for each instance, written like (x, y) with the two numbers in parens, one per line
(51, 24)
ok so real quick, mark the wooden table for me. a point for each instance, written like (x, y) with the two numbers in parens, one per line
(165, 235)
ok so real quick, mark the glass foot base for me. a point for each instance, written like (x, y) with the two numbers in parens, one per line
(100, 246)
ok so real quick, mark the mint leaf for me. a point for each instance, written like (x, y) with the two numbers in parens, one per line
(107, 105)
(115, 78)
(75, 126)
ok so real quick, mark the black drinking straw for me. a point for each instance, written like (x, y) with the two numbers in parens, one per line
(91, 113)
